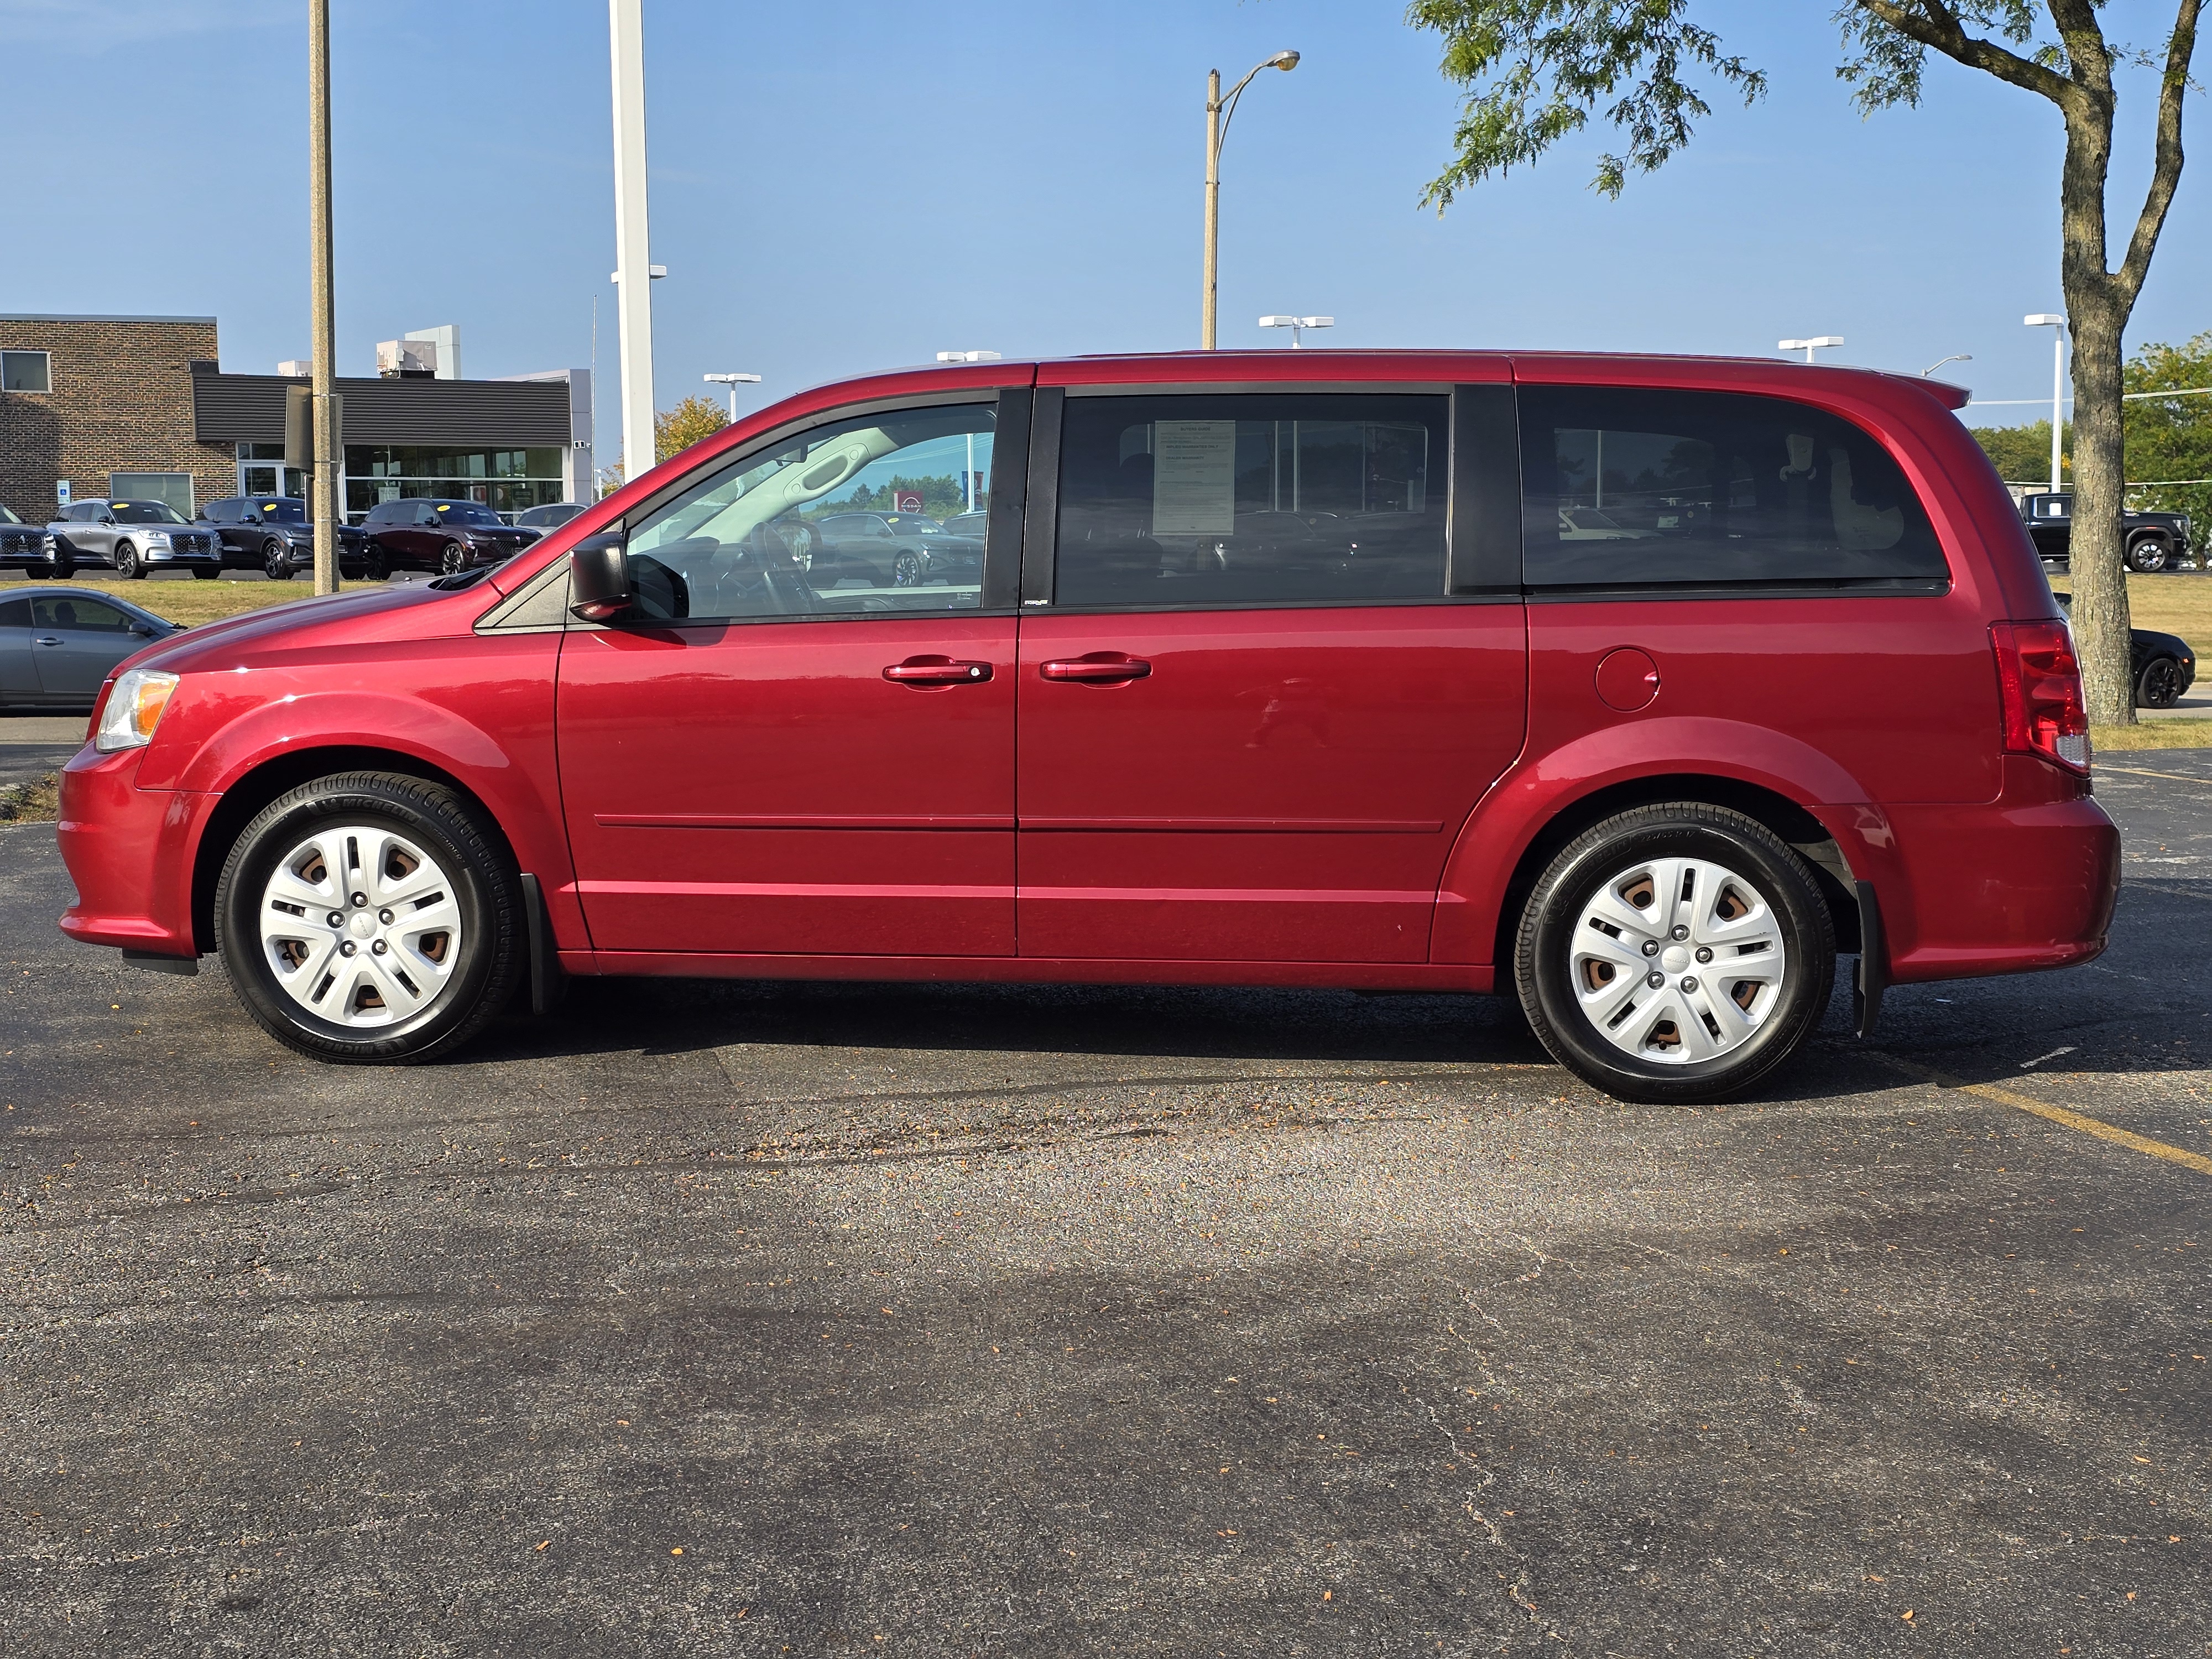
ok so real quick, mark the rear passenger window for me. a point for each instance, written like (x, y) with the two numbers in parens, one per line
(1637, 489)
(1261, 499)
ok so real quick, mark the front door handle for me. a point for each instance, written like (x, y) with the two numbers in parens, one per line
(48, 639)
(1099, 668)
(936, 671)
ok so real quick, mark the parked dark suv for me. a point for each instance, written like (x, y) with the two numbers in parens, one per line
(274, 535)
(26, 547)
(423, 533)
(1294, 668)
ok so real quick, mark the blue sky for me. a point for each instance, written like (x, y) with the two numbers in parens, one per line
(840, 189)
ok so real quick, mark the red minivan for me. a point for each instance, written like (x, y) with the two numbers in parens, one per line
(1637, 688)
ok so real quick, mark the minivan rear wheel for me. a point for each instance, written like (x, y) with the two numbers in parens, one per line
(370, 917)
(1677, 953)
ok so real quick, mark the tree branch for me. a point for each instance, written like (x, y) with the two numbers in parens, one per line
(1933, 24)
(2165, 170)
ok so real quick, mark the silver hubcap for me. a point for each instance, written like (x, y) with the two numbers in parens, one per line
(1677, 961)
(360, 926)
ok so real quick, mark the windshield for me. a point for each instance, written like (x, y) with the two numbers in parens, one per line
(145, 513)
(6, 517)
(288, 510)
(464, 513)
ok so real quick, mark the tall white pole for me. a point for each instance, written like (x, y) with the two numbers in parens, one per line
(633, 285)
(2057, 401)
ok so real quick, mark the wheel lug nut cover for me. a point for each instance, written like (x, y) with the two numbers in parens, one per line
(363, 898)
(346, 947)
(377, 949)
(1654, 979)
(1651, 947)
(1678, 932)
(384, 916)
(1689, 981)
(1705, 953)
(336, 919)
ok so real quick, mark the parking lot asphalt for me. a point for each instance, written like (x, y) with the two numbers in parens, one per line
(763, 1319)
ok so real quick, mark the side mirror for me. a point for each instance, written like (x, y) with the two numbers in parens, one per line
(144, 631)
(599, 577)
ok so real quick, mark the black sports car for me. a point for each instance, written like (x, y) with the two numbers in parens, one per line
(2164, 666)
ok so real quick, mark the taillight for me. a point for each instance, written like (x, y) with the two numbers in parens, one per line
(2039, 686)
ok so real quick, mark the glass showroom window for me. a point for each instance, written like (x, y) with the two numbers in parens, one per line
(27, 370)
(175, 489)
(506, 480)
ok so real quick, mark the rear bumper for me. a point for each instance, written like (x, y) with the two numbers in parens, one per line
(2005, 887)
(129, 851)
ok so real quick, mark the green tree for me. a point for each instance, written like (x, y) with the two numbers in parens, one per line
(1537, 70)
(675, 430)
(2022, 453)
(2170, 438)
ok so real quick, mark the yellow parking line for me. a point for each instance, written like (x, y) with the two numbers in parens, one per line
(2072, 1120)
(2141, 772)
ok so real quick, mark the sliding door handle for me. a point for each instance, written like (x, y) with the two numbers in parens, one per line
(1099, 668)
(936, 671)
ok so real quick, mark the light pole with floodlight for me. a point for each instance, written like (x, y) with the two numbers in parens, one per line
(733, 381)
(1220, 112)
(967, 478)
(2057, 325)
(1298, 325)
(1955, 357)
(1819, 342)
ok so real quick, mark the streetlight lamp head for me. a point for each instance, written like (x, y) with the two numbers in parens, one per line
(1284, 61)
(967, 356)
(2044, 320)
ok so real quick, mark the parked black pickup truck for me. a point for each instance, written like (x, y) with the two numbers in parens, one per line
(2155, 541)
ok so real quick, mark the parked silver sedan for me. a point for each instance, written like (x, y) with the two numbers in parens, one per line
(58, 645)
(134, 539)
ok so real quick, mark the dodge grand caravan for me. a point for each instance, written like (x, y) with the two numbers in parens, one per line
(1636, 688)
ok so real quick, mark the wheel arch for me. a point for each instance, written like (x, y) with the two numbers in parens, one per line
(1807, 835)
(254, 789)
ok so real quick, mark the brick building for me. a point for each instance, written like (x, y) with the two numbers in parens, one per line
(106, 403)
(138, 406)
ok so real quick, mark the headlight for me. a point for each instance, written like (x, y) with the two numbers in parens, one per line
(133, 709)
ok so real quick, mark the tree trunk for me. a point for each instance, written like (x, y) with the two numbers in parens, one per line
(2095, 543)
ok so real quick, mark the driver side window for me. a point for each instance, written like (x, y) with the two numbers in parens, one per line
(752, 538)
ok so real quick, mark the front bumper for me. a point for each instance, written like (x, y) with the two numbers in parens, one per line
(129, 851)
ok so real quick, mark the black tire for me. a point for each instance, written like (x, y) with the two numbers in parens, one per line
(487, 892)
(128, 565)
(906, 570)
(374, 566)
(1543, 951)
(2159, 685)
(276, 559)
(202, 574)
(453, 559)
(2149, 556)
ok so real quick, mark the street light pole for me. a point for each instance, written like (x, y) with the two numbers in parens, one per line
(1809, 347)
(733, 381)
(1220, 112)
(2056, 325)
(325, 504)
(633, 283)
(1955, 357)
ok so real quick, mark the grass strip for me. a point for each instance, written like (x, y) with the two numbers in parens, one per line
(39, 801)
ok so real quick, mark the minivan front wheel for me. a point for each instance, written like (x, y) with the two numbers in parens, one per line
(1677, 953)
(370, 917)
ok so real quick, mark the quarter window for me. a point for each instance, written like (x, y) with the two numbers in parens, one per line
(799, 528)
(1262, 499)
(1641, 490)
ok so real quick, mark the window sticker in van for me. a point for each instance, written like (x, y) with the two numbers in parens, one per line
(1263, 498)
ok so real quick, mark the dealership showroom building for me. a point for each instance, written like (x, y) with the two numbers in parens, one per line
(138, 407)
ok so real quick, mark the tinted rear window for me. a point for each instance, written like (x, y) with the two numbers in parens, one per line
(1634, 489)
(1263, 499)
